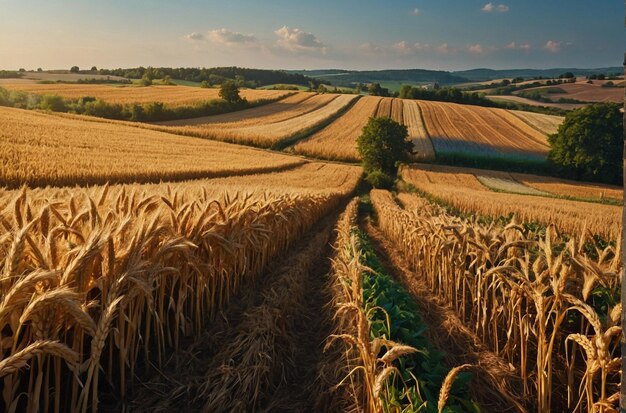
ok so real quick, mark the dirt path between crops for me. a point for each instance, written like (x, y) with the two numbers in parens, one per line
(261, 353)
(495, 387)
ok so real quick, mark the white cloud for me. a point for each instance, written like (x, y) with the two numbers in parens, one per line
(195, 36)
(500, 8)
(514, 46)
(296, 40)
(552, 46)
(229, 37)
(475, 49)
(401, 48)
(416, 11)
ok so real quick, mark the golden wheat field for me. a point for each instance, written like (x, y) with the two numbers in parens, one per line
(153, 256)
(290, 106)
(274, 131)
(412, 119)
(486, 274)
(145, 269)
(40, 149)
(338, 140)
(573, 189)
(455, 128)
(546, 124)
(170, 95)
(462, 190)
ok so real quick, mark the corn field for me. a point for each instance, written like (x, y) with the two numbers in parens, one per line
(547, 306)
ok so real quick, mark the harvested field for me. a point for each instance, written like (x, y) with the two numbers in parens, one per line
(412, 118)
(508, 184)
(397, 112)
(464, 192)
(272, 133)
(287, 108)
(384, 108)
(338, 140)
(481, 131)
(40, 149)
(586, 92)
(572, 189)
(526, 101)
(170, 95)
(546, 124)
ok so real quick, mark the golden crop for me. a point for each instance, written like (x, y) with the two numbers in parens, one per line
(460, 188)
(338, 140)
(95, 279)
(515, 291)
(479, 130)
(272, 129)
(171, 95)
(546, 124)
(40, 149)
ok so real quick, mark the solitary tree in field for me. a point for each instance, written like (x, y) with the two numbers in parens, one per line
(230, 92)
(146, 80)
(382, 146)
(74, 69)
(589, 144)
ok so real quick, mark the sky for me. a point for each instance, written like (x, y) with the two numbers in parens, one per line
(320, 34)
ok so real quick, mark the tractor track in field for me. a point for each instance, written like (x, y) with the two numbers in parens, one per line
(495, 387)
(262, 352)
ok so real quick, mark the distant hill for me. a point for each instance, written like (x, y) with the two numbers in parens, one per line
(388, 78)
(393, 79)
(481, 75)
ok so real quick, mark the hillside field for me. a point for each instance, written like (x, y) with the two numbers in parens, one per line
(224, 263)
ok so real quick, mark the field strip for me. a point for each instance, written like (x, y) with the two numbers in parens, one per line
(459, 188)
(546, 124)
(273, 112)
(509, 185)
(572, 189)
(463, 128)
(338, 140)
(412, 118)
(40, 149)
(171, 95)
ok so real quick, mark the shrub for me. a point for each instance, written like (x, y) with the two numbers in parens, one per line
(53, 103)
(379, 179)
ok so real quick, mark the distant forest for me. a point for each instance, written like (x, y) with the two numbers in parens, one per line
(216, 75)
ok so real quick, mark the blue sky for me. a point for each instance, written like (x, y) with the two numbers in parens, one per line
(295, 34)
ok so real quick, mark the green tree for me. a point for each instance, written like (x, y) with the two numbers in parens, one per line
(589, 144)
(146, 80)
(53, 103)
(167, 80)
(204, 84)
(74, 69)
(94, 69)
(382, 146)
(376, 90)
(230, 92)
